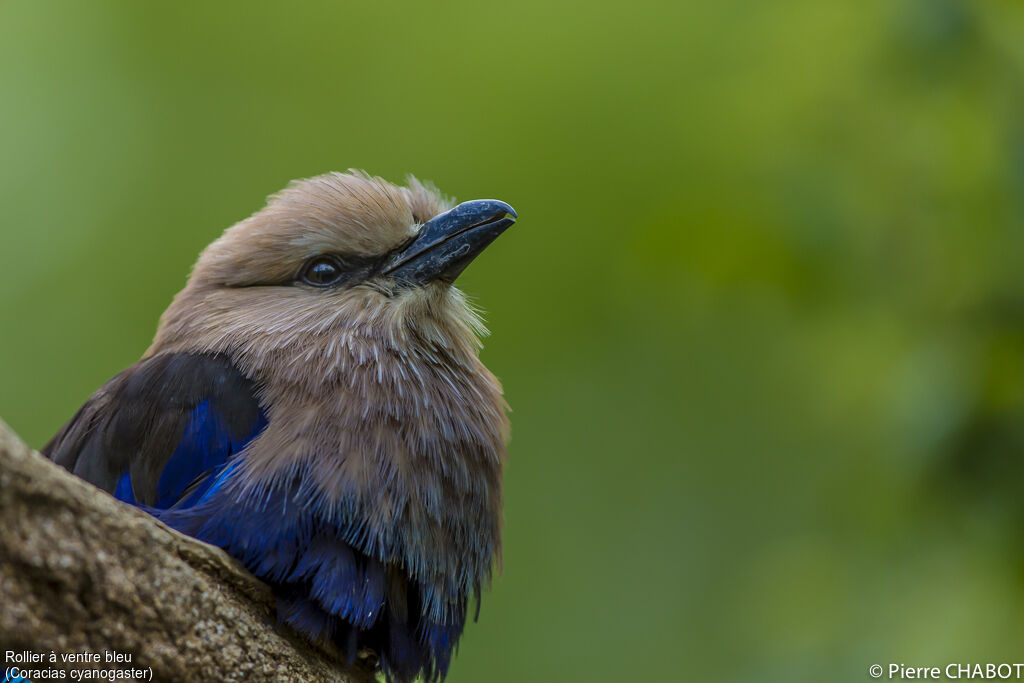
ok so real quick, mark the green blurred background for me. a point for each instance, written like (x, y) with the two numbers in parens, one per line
(761, 322)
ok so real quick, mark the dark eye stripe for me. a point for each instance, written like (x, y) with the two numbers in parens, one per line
(332, 270)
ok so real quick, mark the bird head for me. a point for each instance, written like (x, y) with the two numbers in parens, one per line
(340, 252)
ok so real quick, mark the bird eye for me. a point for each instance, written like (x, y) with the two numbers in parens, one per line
(322, 271)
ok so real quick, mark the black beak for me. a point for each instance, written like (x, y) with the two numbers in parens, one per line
(447, 243)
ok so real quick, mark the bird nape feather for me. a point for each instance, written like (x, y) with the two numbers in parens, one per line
(314, 404)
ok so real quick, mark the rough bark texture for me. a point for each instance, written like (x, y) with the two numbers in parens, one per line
(82, 573)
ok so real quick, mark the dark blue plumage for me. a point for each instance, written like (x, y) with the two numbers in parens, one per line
(198, 459)
(314, 405)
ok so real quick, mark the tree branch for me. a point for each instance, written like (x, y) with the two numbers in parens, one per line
(83, 573)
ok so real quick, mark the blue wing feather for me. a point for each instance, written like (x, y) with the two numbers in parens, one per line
(198, 462)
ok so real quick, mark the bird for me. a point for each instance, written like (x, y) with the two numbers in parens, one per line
(314, 403)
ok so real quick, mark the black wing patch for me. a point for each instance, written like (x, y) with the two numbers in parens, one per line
(156, 433)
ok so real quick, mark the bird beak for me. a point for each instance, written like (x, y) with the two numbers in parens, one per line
(447, 243)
